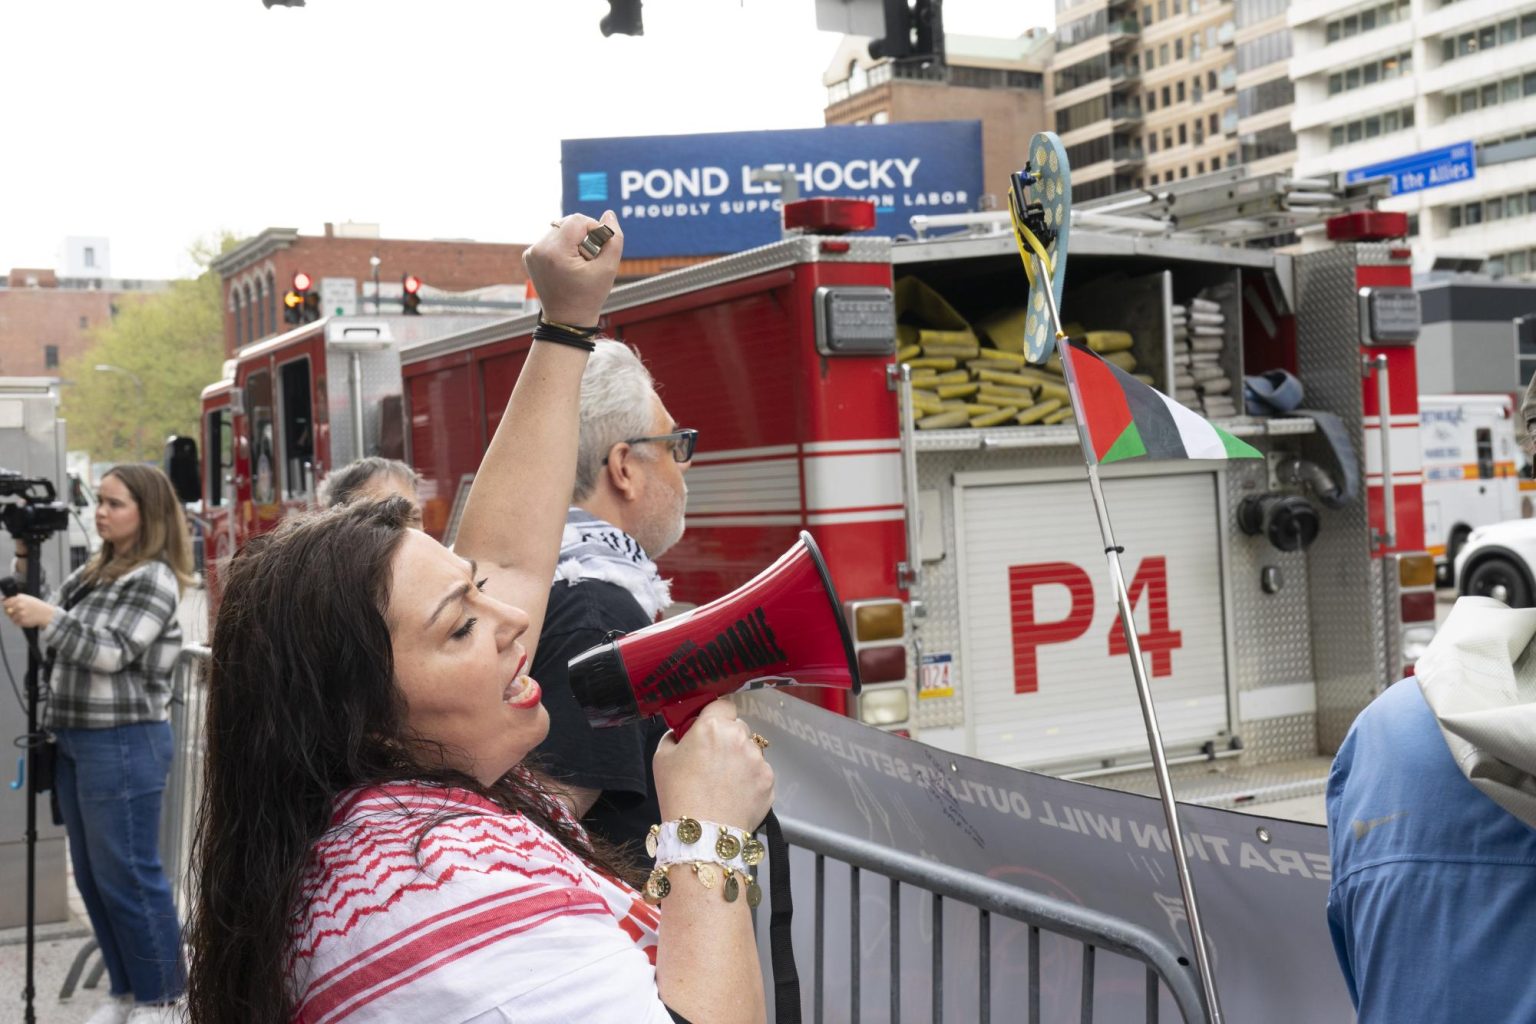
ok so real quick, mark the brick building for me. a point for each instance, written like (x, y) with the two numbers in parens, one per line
(1000, 82)
(46, 318)
(257, 274)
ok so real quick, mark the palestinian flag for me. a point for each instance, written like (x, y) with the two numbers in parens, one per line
(1125, 419)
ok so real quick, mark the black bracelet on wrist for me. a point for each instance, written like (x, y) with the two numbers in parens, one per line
(585, 332)
(563, 334)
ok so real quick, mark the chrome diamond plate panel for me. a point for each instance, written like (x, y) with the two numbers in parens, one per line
(1345, 590)
(1279, 739)
(1231, 784)
(1271, 632)
(380, 380)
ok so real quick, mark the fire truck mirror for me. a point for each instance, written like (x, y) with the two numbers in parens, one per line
(1286, 521)
(182, 468)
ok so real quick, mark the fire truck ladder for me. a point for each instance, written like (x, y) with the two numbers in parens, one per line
(1230, 207)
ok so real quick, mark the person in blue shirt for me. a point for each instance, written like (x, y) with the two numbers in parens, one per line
(1433, 898)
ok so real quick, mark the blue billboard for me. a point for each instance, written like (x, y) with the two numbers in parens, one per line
(693, 195)
(1429, 169)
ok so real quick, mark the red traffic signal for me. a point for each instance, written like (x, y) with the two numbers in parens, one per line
(410, 295)
(302, 282)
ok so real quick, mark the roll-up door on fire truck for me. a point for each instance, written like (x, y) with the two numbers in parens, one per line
(1043, 664)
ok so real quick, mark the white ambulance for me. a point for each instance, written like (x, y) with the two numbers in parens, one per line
(1472, 467)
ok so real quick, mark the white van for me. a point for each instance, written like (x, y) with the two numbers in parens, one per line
(1472, 465)
(81, 499)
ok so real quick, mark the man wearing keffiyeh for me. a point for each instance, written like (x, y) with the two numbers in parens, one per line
(627, 510)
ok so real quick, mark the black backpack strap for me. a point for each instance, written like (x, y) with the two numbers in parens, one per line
(786, 980)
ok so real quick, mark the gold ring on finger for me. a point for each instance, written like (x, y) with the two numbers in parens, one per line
(762, 743)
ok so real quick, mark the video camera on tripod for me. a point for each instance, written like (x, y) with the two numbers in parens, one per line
(33, 518)
(38, 515)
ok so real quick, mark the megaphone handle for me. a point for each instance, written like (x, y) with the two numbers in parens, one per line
(680, 716)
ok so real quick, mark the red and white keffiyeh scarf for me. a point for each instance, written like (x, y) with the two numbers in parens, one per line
(482, 910)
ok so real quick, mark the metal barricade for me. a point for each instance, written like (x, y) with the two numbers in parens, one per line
(1094, 932)
(182, 788)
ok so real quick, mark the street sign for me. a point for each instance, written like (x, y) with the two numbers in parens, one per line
(338, 296)
(1429, 169)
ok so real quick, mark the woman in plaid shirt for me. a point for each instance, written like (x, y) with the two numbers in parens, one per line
(113, 640)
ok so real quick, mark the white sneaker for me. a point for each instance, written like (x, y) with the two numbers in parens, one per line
(170, 1013)
(113, 1010)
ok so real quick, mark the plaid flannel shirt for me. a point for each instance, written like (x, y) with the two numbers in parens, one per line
(113, 651)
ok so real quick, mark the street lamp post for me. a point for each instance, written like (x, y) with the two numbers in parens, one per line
(138, 433)
(374, 261)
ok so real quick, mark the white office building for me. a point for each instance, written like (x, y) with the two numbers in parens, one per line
(1395, 82)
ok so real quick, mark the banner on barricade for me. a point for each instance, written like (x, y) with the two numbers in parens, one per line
(1262, 882)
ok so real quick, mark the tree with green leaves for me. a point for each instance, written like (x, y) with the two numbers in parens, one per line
(163, 349)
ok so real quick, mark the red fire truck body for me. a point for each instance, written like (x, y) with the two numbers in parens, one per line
(1008, 646)
(795, 437)
(294, 406)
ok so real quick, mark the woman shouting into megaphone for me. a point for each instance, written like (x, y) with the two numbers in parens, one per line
(370, 846)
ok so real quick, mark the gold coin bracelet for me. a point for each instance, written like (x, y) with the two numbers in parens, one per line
(716, 854)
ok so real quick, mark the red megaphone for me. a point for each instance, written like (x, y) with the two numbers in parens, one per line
(783, 628)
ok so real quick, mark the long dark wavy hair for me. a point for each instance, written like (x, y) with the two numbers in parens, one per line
(302, 706)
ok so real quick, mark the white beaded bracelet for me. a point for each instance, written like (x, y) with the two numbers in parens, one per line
(703, 846)
(688, 840)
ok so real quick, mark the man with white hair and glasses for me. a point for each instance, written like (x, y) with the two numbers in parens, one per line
(627, 510)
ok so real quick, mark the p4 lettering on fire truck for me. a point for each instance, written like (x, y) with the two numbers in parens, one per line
(1043, 649)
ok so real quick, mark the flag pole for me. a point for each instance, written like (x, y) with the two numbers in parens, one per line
(1138, 669)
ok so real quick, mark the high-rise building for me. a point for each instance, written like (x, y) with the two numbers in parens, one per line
(1265, 93)
(1142, 91)
(1094, 94)
(1395, 81)
(999, 82)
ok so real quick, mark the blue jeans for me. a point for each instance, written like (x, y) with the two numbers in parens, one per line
(110, 783)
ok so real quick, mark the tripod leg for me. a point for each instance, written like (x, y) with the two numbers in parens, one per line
(73, 977)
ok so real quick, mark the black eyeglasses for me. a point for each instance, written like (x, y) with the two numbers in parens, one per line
(681, 441)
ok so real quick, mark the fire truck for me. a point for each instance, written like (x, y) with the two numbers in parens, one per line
(293, 406)
(969, 558)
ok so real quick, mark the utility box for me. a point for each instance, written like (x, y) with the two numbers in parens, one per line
(32, 444)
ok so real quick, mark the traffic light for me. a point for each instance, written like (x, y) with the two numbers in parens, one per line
(623, 18)
(914, 29)
(410, 295)
(301, 305)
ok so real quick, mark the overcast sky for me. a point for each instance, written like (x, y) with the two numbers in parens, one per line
(157, 122)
